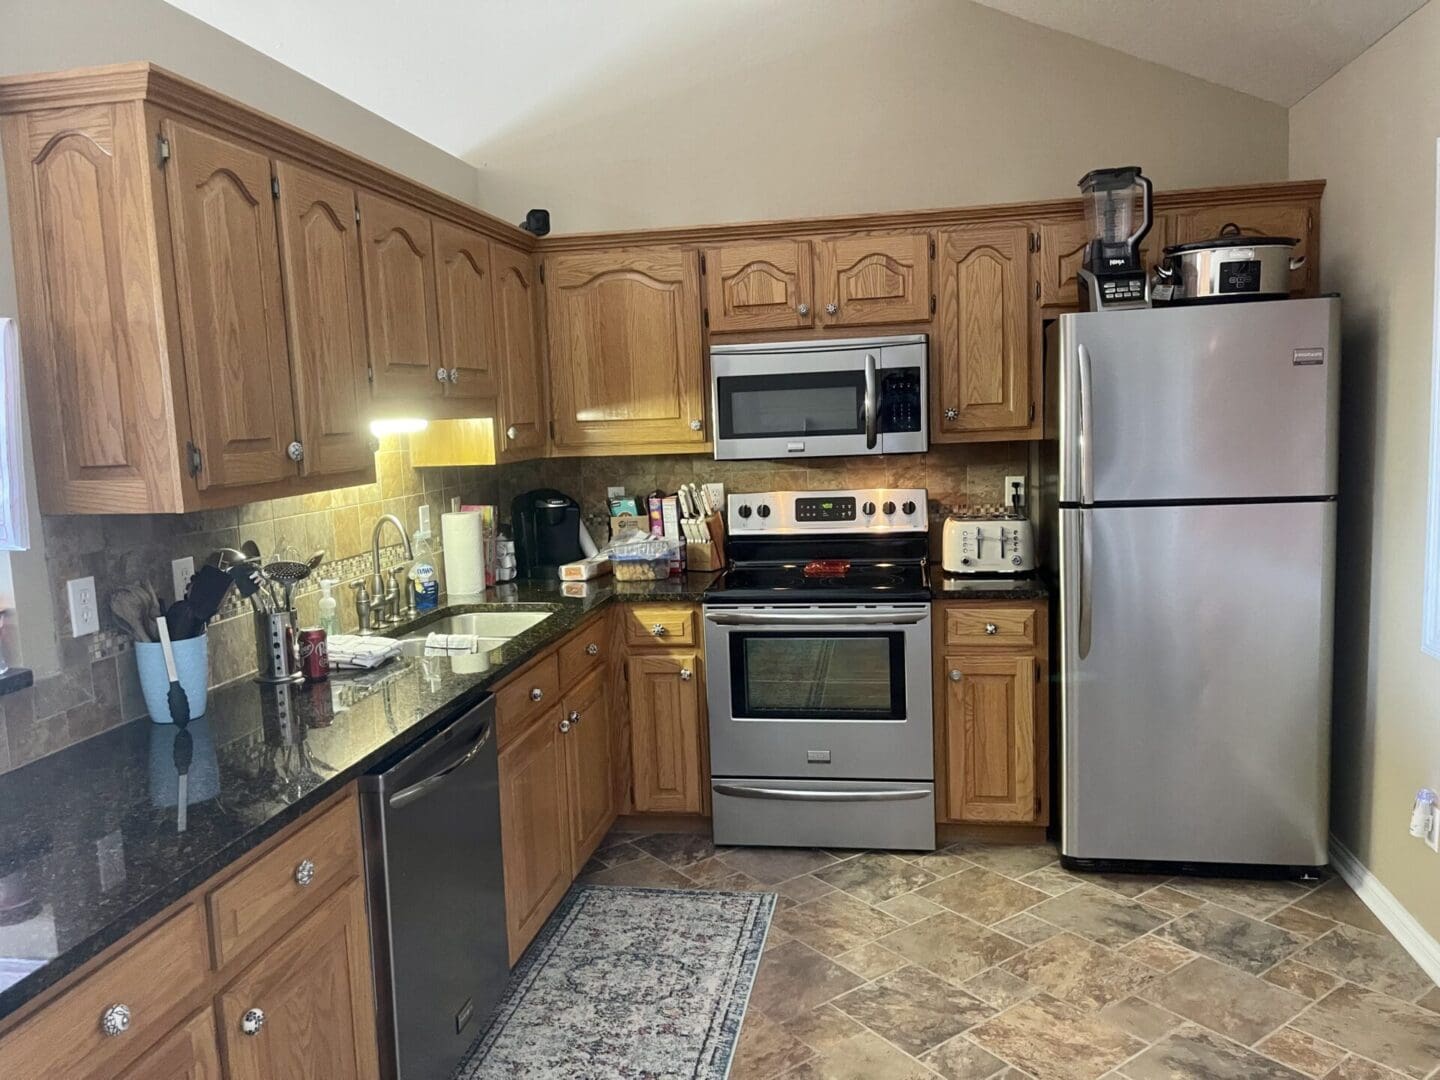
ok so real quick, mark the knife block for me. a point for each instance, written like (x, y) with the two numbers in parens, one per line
(710, 555)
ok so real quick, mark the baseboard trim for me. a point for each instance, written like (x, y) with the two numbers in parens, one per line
(1381, 901)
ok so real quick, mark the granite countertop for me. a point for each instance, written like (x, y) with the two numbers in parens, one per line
(945, 586)
(89, 847)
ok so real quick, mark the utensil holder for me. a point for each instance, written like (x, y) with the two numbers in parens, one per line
(275, 658)
(192, 669)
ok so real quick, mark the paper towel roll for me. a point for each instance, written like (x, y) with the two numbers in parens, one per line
(464, 552)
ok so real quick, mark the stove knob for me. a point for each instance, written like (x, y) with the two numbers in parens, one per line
(908, 508)
(889, 508)
(763, 510)
(869, 509)
(743, 510)
(1016, 560)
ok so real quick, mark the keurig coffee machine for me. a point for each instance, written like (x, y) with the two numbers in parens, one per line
(1117, 213)
(547, 532)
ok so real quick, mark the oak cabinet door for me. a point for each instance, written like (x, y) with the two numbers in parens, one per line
(990, 735)
(325, 305)
(1062, 250)
(468, 349)
(625, 348)
(311, 994)
(589, 766)
(665, 721)
(983, 348)
(402, 329)
(759, 285)
(869, 279)
(1256, 219)
(232, 314)
(534, 828)
(190, 1052)
(521, 414)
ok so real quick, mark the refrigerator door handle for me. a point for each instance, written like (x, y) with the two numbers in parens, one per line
(1084, 440)
(1087, 565)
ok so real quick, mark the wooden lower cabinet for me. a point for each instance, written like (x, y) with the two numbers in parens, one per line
(589, 766)
(190, 1052)
(992, 715)
(666, 737)
(306, 1008)
(534, 828)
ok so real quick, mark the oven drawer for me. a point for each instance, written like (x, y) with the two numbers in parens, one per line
(824, 813)
(992, 627)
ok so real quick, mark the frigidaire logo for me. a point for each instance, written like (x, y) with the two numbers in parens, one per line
(1307, 357)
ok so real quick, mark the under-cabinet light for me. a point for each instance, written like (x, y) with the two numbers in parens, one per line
(400, 426)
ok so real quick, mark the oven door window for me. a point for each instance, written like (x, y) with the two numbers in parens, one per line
(791, 405)
(807, 676)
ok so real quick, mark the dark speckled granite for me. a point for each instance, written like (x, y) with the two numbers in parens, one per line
(945, 586)
(88, 842)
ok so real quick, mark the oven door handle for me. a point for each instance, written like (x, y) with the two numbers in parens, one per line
(736, 618)
(798, 795)
(872, 402)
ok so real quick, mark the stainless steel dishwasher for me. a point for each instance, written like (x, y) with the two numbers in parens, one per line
(437, 895)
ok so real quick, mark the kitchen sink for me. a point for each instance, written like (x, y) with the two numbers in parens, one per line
(492, 628)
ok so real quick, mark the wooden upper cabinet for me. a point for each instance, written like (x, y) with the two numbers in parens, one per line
(870, 279)
(232, 312)
(315, 992)
(665, 737)
(990, 732)
(1295, 219)
(468, 346)
(589, 766)
(325, 309)
(520, 418)
(626, 364)
(1062, 250)
(402, 328)
(982, 363)
(759, 285)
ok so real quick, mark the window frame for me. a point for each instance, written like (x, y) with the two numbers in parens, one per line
(14, 511)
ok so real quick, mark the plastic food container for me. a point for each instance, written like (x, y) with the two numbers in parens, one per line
(642, 560)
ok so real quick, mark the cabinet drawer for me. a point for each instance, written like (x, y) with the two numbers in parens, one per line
(584, 651)
(266, 893)
(1007, 627)
(151, 978)
(659, 625)
(525, 696)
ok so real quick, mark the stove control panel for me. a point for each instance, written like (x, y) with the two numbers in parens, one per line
(861, 511)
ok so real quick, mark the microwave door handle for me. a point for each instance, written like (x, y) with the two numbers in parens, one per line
(872, 402)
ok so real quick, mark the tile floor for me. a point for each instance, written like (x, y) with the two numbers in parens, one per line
(985, 961)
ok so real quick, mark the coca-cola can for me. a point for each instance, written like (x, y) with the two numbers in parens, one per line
(314, 654)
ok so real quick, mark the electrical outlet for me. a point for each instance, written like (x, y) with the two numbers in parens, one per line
(1432, 833)
(84, 612)
(181, 571)
(613, 492)
(1010, 482)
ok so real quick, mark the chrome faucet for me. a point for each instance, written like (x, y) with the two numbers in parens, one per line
(386, 613)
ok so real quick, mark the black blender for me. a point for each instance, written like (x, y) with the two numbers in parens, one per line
(1117, 212)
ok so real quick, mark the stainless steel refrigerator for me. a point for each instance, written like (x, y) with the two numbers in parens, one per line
(1193, 477)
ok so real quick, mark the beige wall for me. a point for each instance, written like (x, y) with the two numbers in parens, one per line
(1371, 132)
(56, 34)
(825, 107)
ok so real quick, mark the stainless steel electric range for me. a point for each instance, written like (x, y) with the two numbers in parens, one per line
(818, 647)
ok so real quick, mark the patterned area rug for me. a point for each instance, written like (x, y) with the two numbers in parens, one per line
(628, 983)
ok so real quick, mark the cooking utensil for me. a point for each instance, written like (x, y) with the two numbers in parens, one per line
(208, 589)
(181, 621)
(251, 549)
(224, 558)
(249, 584)
(316, 558)
(180, 714)
(128, 604)
(1227, 268)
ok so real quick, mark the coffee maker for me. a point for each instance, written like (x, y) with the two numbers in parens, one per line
(1117, 214)
(547, 532)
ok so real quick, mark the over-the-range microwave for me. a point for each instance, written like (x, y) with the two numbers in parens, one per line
(820, 398)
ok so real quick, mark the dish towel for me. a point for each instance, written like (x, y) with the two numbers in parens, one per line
(360, 650)
(451, 644)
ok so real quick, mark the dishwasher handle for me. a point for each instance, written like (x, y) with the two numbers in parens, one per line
(418, 790)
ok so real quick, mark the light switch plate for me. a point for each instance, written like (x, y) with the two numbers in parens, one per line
(614, 492)
(84, 611)
(181, 571)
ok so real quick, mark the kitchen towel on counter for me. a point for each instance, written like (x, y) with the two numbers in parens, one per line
(464, 552)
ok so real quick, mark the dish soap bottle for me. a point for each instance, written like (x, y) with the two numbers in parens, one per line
(329, 622)
(424, 586)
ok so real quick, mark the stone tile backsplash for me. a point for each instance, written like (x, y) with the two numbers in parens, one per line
(97, 686)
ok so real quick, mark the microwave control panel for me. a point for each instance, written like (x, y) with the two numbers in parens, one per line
(901, 400)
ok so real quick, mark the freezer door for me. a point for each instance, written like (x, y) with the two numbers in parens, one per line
(1195, 650)
(1224, 402)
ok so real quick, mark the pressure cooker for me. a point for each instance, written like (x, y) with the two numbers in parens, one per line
(1227, 268)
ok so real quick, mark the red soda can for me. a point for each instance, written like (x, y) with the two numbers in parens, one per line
(314, 654)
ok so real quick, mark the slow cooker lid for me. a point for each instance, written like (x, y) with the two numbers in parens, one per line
(1232, 242)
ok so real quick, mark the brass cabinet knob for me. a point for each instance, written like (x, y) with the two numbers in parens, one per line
(115, 1020)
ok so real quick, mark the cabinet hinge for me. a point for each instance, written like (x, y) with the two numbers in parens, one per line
(1035, 241)
(1032, 412)
(370, 373)
(163, 149)
(540, 269)
(1037, 290)
(932, 303)
(705, 318)
(192, 452)
(357, 215)
(274, 187)
(1309, 220)
(1037, 805)
(702, 262)
(552, 430)
(932, 247)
